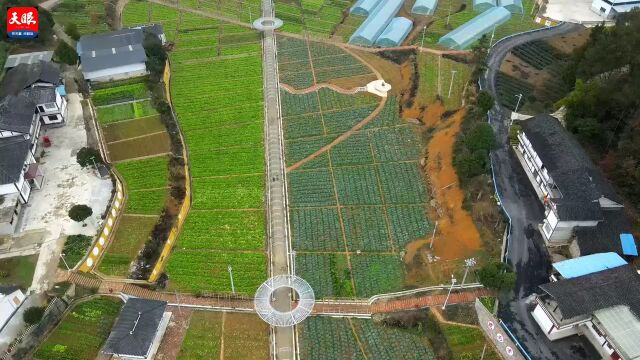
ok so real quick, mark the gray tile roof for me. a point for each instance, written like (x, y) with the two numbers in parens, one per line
(25, 75)
(16, 113)
(112, 49)
(41, 95)
(605, 237)
(27, 58)
(579, 180)
(13, 153)
(584, 295)
(135, 327)
(109, 40)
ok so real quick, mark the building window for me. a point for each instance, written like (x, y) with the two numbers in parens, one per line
(40, 108)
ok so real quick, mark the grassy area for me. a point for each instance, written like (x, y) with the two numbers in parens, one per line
(123, 130)
(227, 169)
(82, 332)
(75, 248)
(89, 15)
(203, 337)
(115, 113)
(18, 271)
(436, 78)
(322, 18)
(131, 234)
(466, 342)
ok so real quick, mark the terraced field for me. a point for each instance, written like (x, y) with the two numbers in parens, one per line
(222, 120)
(138, 145)
(321, 18)
(341, 338)
(355, 207)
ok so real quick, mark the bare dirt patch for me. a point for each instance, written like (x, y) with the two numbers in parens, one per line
(155, 144)
(568, 43)
(174, 335)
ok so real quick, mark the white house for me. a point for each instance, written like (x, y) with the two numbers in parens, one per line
(608, 9)
(601, 305)
(9, 303)
(578, 200)
(40, 81)
(138, 331)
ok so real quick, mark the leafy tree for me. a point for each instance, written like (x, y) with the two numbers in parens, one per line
(71, 29)
(80, 213)
(66, 53)
(472, 151)
(485, 101)
(497, 275)
(33, 315)
(156, 56)
(86, 156)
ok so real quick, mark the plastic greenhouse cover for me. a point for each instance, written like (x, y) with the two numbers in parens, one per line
(515, 6)
(424, 7)
(395, 33)
(373, 26)
(364, 7)
(473, 29)
(484, 5)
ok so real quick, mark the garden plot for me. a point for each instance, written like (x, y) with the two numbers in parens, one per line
(82, 332)
(321, 18)
(302, 64)
(222, 122)
(354, 209)
(437, 77)
(88, 15)
(342, 338)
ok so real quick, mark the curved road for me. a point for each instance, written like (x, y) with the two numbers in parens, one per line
(526, 251)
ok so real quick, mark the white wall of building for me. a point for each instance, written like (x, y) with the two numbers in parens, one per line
(609, 11)
(117, 73)
(8, 305)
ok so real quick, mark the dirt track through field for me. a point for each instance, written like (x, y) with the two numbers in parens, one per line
(456, 236)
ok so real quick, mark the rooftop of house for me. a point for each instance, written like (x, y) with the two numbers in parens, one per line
(112, 49)
(604, 237)
(25, 75)
(16, 113)
(155, 29)
(27, 58)
(41, 95)
(8, 205)
(584, 295)
(135, 328)
(581, 183)
(623, 328)
(13, 153)
(589, 264)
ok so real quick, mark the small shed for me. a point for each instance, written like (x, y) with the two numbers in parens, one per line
(424, 7)
(138, 330)
(514, 6)
(484, 5)
(395, 33)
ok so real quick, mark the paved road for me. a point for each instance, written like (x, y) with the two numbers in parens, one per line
(526, 250)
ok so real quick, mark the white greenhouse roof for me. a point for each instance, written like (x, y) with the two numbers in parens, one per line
(484, 5)
(424, 7)
(515, 6)
(364, 7)
(395, 33)
(377, 21)
(623, 328)
(473, 29)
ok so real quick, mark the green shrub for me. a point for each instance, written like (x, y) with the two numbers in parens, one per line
(71, 29)
(87, 156)
(80, 213)
(497, 275)
(66, 53)
(33, 315)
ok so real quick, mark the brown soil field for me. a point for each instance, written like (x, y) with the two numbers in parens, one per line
(568, 43)
(514, 66)
(155, 144)
(131, 128)
(353, 82)
(174, 335)
(245, 336)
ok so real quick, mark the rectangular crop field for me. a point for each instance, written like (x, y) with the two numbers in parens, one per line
(355, 207)
(123, 130)
(82, 332)
(203, 337)
(149, 145)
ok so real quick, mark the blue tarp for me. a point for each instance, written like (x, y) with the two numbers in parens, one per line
(589, 264)
(515, 6)
(473, 29)
(61, 90)
(628, 245)
(424, 7)
(395, 33)
(364, 7)
(484, 5)
(372, 27)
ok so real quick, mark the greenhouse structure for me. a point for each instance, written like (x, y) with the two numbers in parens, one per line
(473, 29)
(372, 27)
(395, 33)
(364, 7)
(424, 7)
(484, 5)
(514, 6)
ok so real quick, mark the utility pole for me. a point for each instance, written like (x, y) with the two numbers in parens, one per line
(519, 96)
(453, 74)
(439, 80)
(424, 30)
(64, 261)
(453, 282)
(178, 300)
(233, 288)
(483, 350)
(468, 263)
(433, 235)
(493, 34)
(449, 15)
(293, 262)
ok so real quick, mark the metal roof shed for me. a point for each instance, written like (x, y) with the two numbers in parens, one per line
(395, 33)
(424, 7)
(514, 6)
(372, 27)
(473, 29)
(364, 7)
(589, 264)
(28, 58)
(484, 5)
